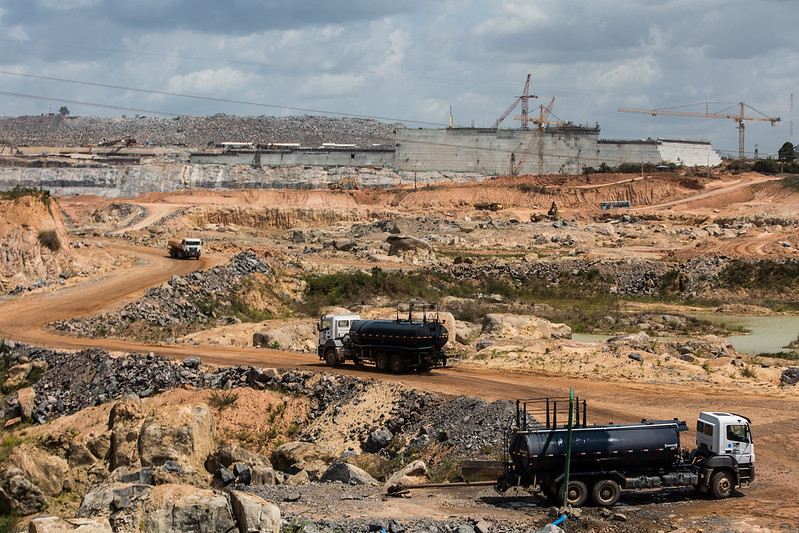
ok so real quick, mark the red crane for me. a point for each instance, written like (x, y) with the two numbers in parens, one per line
(740, 118)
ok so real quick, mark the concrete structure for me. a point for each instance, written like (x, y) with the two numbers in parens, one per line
(560, 150)
(564, 150)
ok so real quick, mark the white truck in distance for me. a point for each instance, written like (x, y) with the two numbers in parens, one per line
(185, 248)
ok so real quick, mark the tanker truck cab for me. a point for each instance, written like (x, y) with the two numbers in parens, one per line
(332, 329)
(723, 443)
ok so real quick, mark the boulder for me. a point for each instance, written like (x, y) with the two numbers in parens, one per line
(103, 500)
(124, 421)
(399, 244)
(79, 454)
(263, 475)
(254, 514)
(561, 331)
(292, 456)
(377, 440)
(512, 326)
(26, 397)
(18, 494)
(186, 437)
(228, 453)
(790, 376)
(42, 469)
(347, 474)
(16, 376)
(184, 508)
(411, 474)
(53, 524)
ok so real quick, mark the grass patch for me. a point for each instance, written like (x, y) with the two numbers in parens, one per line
(18, 192)
(222, 399)
(788, 356)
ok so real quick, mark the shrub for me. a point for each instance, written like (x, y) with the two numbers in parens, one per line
(223, 399)
(49, 239)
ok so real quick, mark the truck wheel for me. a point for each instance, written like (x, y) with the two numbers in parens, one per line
(397, 363)
(577, 494)
(605, 492)
(331, 358)
(382, 362)
(721, 484)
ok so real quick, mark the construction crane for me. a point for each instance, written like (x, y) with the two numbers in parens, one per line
(517, 164)
(524, 98)
(740, 118)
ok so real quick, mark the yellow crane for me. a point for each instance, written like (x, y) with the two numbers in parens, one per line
(517, 163)
(740, 118)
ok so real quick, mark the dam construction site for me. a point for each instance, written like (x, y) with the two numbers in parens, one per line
(207, 324)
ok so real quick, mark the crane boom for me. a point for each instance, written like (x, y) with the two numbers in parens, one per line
(535, 134)
(740, 118)
(524, 98)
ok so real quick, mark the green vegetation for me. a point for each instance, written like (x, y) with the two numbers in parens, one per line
(788, 356)
(9, 522)
(18, 192)
(766, 274)
(791, 182)
(222, 399)
(48, 238)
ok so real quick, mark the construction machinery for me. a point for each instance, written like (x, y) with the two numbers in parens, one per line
(523, 99)
(343, 184)
(517, 161)
(739, 118)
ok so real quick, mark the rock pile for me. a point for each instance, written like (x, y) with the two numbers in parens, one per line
(197, 132)
(175, 302)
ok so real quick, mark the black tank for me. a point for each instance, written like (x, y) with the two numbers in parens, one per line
(414, 335)
(648, 445)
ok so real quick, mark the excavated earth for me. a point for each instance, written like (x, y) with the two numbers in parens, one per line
(453, 414)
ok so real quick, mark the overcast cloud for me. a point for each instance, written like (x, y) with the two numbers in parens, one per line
(411, 60)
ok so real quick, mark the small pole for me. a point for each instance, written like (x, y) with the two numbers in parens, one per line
(568, 449)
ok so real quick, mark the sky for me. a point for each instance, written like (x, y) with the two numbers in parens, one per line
(414, 61)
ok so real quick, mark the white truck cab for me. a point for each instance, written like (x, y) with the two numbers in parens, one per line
(726, 434)
(332, 329)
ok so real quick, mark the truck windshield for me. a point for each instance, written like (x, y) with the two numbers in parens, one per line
(324, 324)
(737, 433)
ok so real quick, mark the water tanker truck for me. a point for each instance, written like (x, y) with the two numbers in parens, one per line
(414, 341)
(184, 248)
(608, 458)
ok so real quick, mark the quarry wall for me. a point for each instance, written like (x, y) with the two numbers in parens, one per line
(418, 157)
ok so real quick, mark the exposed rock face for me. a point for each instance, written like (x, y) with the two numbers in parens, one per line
(18, 494)
(52, 524)
(34, 241)
(42, 469)
(184, 508)
(185, 437)
(294, 457)
(515, 327)
(790, 376)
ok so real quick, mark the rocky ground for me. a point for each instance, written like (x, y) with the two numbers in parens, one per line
(195, 132)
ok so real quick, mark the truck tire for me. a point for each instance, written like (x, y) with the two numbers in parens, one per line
(331, 358)
(577, 494)
(382, 362)
(722, 484)
(605, 493)
(397, 363)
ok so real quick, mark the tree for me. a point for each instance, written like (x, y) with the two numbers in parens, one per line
(64, 111)
(786, 152)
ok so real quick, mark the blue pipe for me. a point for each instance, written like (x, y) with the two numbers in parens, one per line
(559, 521)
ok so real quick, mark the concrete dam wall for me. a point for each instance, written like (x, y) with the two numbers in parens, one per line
(419, 157)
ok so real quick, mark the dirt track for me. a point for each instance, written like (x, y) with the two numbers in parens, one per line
(769, 502)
